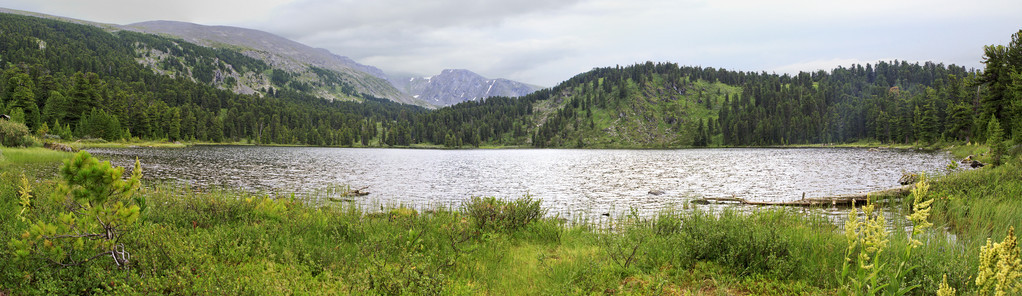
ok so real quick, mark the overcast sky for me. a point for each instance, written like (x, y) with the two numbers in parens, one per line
(547, 41)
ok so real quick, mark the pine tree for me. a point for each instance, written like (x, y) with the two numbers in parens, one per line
(700, 140)
(23, 97)
(56, 107)
(995, 139)
(174, 126)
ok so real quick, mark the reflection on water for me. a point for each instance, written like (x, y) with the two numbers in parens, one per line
(568, 181)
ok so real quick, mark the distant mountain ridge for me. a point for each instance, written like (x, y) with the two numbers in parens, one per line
(454, 86)
(279, 52)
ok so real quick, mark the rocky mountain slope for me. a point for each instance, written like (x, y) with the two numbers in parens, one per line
(297, 59)
(454, 86)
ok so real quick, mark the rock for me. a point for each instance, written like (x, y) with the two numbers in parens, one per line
(656, 192)
(59, 147)
(972, 162)
(907, 178)
(701, 202)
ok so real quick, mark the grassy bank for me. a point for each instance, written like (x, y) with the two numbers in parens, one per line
(231, 243)
(94, 143)
(981, 203)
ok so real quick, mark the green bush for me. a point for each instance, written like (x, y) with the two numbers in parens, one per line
(13, 134)
(747, 244)
(83, 219)
(492, 214)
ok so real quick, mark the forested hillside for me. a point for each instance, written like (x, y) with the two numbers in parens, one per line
(78, 81)
(665, 105)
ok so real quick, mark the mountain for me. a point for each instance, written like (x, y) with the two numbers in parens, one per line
(299, 67)
(299, 60)
(448, 88)
(453, 86)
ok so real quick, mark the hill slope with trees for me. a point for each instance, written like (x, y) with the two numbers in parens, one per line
(79, 81)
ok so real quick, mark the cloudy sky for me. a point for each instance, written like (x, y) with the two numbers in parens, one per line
(547, 41)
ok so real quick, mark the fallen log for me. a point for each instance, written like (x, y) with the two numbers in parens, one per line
(835, 200)
(358, 192)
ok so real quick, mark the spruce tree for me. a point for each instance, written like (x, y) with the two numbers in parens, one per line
(995, 139)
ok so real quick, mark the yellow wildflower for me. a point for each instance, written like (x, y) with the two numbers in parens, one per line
(999, 266)
(944, 289)
(920, 210)
(873, 230)
(870, 233)
(850, 232)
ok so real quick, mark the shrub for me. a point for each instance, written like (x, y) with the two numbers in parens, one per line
(14, 134)
(85, 217)
(492, 214)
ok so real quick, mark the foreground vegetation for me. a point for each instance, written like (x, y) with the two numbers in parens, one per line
(178, 241)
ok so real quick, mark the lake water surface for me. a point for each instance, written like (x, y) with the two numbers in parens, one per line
(568, 181)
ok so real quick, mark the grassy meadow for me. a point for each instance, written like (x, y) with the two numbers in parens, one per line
(224, 242)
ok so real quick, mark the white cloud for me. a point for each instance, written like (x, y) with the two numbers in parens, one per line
(132, 11)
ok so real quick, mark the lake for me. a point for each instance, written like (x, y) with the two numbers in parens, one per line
(570, 182)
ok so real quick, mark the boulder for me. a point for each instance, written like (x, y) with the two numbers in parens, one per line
(972, 162)
(907, 178)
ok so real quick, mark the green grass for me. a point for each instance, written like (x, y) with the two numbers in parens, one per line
(225, 242)
(122, 144)
(35, 155)
(981, 203)
(36, 159)
(228, 243)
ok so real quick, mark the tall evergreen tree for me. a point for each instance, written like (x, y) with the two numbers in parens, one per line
(23, 97)
(995, 140)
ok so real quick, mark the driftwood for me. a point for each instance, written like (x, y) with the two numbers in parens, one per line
(836, 200)
(346, 196)
(358, 192)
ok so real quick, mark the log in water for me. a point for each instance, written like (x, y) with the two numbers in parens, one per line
(835, 200)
